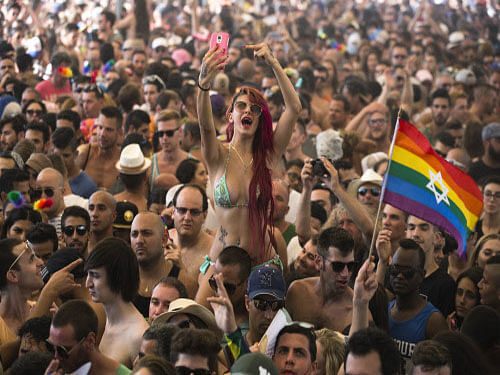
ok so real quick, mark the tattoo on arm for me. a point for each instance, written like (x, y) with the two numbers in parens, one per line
(203, 72)
(223, 235)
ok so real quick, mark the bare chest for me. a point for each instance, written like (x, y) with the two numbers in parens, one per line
(333, 315)
(102, 171)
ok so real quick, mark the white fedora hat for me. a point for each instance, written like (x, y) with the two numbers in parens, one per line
(132, 161)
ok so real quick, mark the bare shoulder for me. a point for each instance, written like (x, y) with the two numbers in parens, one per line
(302, 286)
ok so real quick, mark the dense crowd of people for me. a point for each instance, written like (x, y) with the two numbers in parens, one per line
(172, 205)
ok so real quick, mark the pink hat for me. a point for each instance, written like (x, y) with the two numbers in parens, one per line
(181, 56)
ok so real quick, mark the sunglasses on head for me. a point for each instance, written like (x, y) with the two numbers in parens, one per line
(64, 352)
(373, 191)
(340, 266)
(263, 305)
(183, 370)
(49, 192)
(68, 230)
(254, 108)
(406, 272)
(92, 87)
(230, 288)
(168, 133)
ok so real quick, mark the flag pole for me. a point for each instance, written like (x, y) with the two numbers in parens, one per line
(379, 209)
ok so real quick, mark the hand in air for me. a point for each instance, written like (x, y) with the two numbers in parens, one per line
(212, 63)
(261, 50)
(222, 306)
(365, 285)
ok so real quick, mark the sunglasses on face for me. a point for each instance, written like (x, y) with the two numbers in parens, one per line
(230, 288)
(168, 133)
(193, 211)
(34, 112)
(183, 370)
(373, 191)
(254, 108)
(70, 229)
(406, 272)
(264, 305)
(340, 266)
(380, 121)
(63, 351)
(49, 192)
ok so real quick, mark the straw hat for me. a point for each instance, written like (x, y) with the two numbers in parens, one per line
(132, 161)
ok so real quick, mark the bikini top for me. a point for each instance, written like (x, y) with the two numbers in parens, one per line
(221, 193)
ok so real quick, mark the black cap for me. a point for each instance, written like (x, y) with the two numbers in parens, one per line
(125, 213)
(60, 259)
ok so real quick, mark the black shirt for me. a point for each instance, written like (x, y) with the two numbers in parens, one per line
(439, 288)
(479, 170)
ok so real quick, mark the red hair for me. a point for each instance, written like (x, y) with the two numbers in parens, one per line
(260, 197)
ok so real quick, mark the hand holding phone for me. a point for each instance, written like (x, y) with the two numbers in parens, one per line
(221, 40)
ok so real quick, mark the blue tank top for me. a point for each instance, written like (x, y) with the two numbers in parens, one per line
(409, 333)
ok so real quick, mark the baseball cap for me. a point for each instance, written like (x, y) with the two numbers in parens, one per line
(491, 130)
(266, 280)
(466, 76)
(125, 213)
(159, 42)
(254, 364)
(60, 259)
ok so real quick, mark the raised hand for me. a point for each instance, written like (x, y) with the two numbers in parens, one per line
(331, 181)
(261, 50)
(173, 254)
(223, 308)
(383, 245)
(366, 283)
(306, 175)
(53, 369)
(63, 281)
(212, 63)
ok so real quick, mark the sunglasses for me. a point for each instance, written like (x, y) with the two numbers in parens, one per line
(230, 288)
(264, 305)
(168, 133)
(340, 266)
(379, 121)
(28, 247)
(95, 89)
(49, 192)
(406, 272)
(254, 108)
(373, 191)
(193, 211)
(64, 352)
(70, 229)
(183, 370)
(33, 112)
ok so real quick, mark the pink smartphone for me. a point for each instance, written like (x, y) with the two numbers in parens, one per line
(221, 40)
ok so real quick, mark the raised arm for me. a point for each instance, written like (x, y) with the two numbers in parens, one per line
(284, 130)
(365, 287)
(211, 64)
(303, 219)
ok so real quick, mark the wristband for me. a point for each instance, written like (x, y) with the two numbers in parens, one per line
(202, 88)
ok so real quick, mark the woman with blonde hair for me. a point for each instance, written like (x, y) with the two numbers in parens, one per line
(486, 247)
(331, 351)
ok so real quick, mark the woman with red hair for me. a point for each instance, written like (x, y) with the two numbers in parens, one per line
(240, 171)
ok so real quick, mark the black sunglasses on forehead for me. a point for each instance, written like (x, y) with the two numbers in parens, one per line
(92, 87)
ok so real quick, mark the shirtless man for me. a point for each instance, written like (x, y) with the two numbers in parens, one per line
(190, 210)
(148, 240)
(326, 301)
(113, 280)
(98, 159)
(169, 132)
(102, 211)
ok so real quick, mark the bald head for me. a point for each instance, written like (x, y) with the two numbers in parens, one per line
(51, 174)
(461, 156)
(164, 181)
(150, 217)
(103, 197)
(246, 69)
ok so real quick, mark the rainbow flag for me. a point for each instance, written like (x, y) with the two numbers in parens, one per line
(422, 183)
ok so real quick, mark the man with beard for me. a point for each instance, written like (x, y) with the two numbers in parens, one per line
(338, 112)
(73, 333)
(411, 318)
(489, 163)
(11, 131)
(326, 301)
(50, 184)
(379, 129)
(440, 109)
(190, 210)
(102, 212)
(304, 265)
(98, 159)
(148, 239)
(265, 296)
(75, 225)
(139, 61)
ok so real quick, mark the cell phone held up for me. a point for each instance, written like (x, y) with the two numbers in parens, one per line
(221, 40)
(319, 168)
